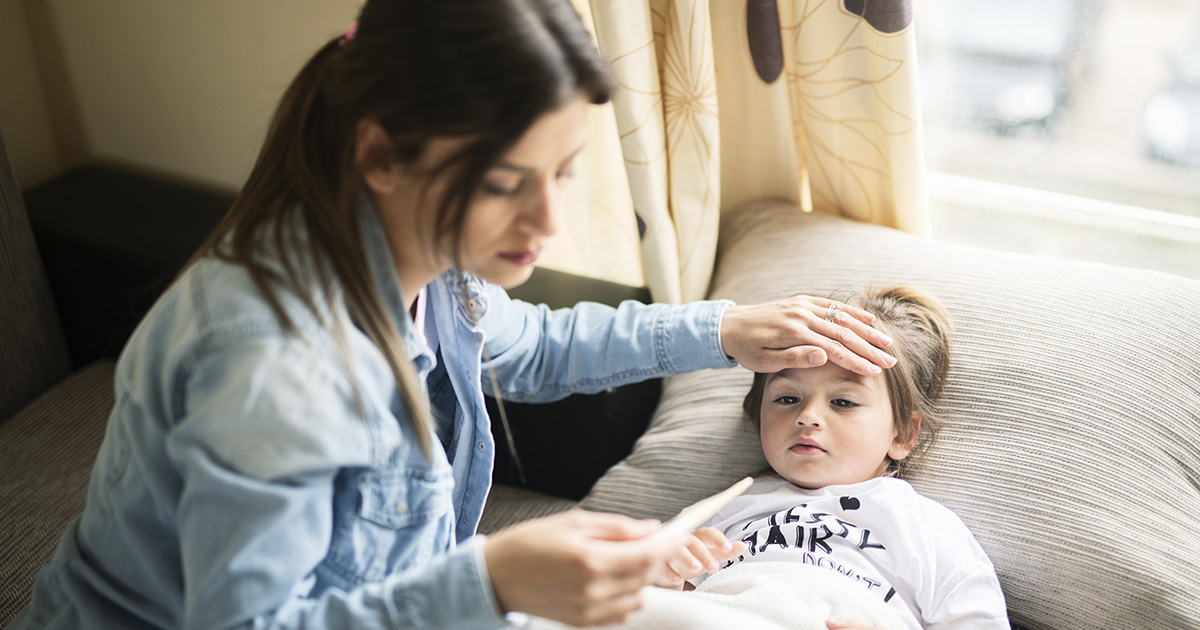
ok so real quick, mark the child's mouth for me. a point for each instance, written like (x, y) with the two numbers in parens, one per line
(806, 447)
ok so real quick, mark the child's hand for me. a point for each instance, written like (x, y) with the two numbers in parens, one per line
(705, 552)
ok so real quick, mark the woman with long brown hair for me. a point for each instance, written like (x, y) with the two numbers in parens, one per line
(300, 438)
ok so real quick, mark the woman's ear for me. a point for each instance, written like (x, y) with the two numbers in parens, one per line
(373, 152)
(900, 447)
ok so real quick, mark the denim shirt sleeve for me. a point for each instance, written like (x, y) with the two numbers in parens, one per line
(259, 440)
(542, 355)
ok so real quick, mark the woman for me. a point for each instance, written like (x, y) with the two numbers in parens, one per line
(300, 438)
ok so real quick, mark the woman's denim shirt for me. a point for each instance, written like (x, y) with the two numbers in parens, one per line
(252, 478)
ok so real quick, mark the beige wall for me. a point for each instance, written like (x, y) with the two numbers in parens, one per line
(23, 112)
(180, 88)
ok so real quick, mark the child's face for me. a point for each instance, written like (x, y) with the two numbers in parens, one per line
(828, 426)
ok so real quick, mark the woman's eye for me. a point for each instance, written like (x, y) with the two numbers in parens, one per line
(496, 190)
(566, 175)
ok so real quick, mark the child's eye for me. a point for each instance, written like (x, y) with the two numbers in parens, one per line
(787, 400)
(843, 403)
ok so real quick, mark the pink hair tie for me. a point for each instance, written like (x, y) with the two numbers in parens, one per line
(348, 36)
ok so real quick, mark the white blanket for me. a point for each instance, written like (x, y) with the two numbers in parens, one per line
(757, 596)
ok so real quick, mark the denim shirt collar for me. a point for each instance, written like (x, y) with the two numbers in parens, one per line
(383, 273)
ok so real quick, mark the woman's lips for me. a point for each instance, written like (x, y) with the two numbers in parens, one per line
(526, 257)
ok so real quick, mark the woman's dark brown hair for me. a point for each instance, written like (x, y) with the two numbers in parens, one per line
(920, 330)
(479, 69)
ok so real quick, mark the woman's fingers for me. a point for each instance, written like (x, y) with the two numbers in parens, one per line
(831, 308)
(804, 331)
(607, 526)
(852, 345)
(852, 317)
(614, 611)
(576, 567)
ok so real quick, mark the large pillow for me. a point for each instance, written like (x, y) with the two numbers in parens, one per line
(1072, 444)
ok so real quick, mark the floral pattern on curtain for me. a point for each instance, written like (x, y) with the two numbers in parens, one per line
(722, 102)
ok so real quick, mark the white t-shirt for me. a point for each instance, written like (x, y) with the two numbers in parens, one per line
(911, 551)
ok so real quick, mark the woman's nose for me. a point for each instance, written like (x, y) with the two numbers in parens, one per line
(543, 215)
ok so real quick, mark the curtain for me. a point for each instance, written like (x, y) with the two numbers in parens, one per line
(721, 102)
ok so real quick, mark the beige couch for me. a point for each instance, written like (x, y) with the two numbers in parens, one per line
(1072, 448)
(1072, 451)
(52, 415)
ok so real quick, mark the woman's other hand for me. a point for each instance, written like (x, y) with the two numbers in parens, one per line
(797, 333)
(578, 567)
(705, 551)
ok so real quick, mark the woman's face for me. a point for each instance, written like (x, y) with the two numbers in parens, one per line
(509, 218)
(518, 205)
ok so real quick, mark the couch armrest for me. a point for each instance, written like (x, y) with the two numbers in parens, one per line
(111, 241)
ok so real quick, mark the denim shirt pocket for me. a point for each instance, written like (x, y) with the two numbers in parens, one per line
(400, 498)
(402, 519)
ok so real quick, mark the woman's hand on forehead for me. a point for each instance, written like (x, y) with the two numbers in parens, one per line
(804, 331)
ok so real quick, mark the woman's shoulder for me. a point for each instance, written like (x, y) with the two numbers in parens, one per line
(224, 299)
(211, 347)
(212, 305)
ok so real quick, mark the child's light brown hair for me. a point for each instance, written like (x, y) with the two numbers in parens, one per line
(920, 330)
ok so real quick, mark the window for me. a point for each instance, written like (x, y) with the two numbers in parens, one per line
(1067, 128)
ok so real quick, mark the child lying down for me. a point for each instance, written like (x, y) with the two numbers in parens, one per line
(832, 536)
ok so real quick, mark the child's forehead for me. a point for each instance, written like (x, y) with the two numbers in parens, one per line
(828, 373)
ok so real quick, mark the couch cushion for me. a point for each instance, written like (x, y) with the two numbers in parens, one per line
(507, 505)
(46, 456)
(33, 352)
(1073, 413)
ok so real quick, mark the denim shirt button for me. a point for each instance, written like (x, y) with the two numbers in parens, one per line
(401, 507)
(481, 447)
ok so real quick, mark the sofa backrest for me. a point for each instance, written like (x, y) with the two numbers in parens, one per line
(1071, 413)
(33, 351)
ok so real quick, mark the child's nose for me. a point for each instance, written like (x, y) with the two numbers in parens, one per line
(809, 415)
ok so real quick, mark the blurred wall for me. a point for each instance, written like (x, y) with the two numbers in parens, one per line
(28, 131)
(178, 88)
(183, 90)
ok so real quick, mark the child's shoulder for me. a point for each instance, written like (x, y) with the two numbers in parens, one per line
(901, 490)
